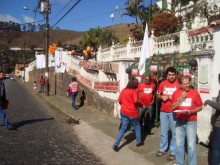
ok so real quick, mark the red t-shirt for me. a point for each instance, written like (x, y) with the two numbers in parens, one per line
(192, 101)
(127, 99)
(166, 88)
(42, 81)
(147, 92)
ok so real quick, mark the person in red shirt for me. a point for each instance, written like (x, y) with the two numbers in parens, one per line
(128, 100)
(186, 102)
(146, 92)
(167, 118)
(42, 83)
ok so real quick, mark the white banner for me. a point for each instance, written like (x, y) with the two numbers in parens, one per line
(60, 61)
(40, 61)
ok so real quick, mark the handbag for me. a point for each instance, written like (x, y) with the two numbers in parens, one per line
(5, 104)
(67, 94)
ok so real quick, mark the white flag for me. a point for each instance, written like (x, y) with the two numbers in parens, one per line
(145, 52)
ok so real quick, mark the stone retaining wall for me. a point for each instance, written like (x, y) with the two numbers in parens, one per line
(58, 84)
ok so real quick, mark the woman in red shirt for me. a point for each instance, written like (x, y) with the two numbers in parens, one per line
(128, 99)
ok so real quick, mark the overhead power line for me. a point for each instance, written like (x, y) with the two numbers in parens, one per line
(60, 10)
(32, 31)
(74, 5)
(93, 16)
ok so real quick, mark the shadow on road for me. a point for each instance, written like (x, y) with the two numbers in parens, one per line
(25, 122)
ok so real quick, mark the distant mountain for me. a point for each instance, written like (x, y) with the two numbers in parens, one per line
(38, 40)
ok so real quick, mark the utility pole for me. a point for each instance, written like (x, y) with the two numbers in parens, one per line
(47, 46)
(45, 9)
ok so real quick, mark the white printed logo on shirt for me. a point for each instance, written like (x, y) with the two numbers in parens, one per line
(147, 90)
(186, 103)
(169, 91)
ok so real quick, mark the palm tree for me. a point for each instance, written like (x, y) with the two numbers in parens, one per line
(146, 13)
(137, 10)
(133, 9)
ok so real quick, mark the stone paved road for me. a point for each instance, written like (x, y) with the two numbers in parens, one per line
(42, 136)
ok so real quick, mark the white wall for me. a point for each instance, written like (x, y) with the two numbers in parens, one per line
(213, 69)
(216, 62)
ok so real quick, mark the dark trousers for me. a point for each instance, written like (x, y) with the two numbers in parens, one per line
(145, 115)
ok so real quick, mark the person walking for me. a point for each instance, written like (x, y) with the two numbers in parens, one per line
(186, 103)
(2, 101)
(74, 89)
(146, 93)
(215, 141)
(167, 118)
(36, 91)
(128, 99)
(42, 83)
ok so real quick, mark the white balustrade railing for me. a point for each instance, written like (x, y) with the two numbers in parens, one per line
(104, 54)
(201, 42)
(73, 63)
(120, 52)
(135, 49)
(166, 44)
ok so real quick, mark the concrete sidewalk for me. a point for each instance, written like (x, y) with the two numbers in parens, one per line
(98, 132)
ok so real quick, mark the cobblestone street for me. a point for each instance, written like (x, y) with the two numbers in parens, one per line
(42, 136)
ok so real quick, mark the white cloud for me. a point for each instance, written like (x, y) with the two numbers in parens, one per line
(28, 19)
(7, 18)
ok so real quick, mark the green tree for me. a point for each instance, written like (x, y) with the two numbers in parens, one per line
(146, 13)
(98, 37)
(133, 9)
(141, 13)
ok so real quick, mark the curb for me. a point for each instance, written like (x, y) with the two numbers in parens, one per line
(71, 119)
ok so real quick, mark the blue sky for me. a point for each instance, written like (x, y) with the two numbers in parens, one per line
(87, 14)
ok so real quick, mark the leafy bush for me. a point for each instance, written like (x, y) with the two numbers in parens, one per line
(164, 23)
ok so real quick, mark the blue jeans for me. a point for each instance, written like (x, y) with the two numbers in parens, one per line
(41, 87)
(4, 117)
(125, 121)
(74, 94)
(216, 146)
(167, 122)
(186, 130)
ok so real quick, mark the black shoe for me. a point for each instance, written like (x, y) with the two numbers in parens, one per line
(115, 148)
(140, 144)
(160, 153)
(10, 127)
(171, 157)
